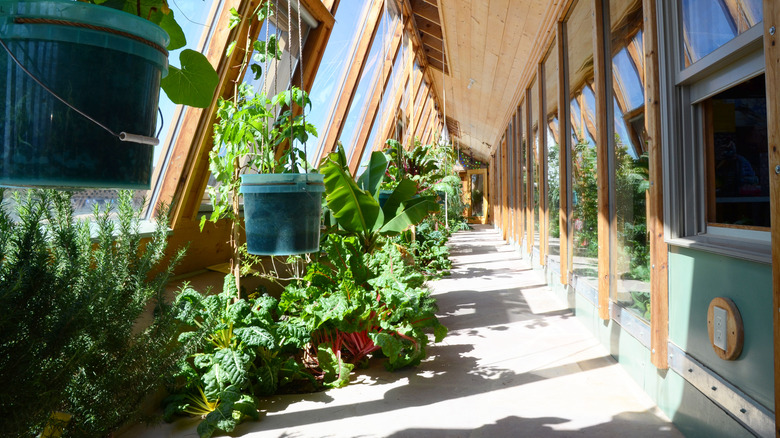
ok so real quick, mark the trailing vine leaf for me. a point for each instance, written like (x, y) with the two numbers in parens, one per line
(193, 83)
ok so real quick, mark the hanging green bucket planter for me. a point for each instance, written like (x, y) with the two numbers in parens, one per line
(105, 63)
(282, 212)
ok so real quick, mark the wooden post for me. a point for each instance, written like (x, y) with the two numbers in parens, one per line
(529, 176)
(542, 157)
(772, 54)
(563, 150)
(602, 158)
(519, 178)
(659, 275)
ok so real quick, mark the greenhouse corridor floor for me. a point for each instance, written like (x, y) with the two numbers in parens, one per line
(516, 363)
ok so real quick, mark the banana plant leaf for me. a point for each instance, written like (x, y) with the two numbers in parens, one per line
(372, 177)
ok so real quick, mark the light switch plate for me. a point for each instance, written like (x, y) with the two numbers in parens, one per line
(720, 325)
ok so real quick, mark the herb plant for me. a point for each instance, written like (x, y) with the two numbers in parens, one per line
(68, 336)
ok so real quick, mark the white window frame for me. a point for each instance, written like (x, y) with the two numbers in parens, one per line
(682, 89)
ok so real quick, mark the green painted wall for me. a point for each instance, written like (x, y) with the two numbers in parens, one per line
(692, 412)
(695, 278)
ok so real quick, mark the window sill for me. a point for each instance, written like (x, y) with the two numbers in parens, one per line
(759, 251)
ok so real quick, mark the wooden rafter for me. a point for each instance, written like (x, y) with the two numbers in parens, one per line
(426, 10)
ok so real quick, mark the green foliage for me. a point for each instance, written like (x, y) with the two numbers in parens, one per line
(194, 82)
(243, 357)
(585, 200)
(69, 337)
(356, 209)
(355, 303)
(641, 303)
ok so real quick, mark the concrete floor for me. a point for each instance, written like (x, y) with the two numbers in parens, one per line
(516, 363)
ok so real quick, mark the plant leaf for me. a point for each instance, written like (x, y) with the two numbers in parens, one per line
(354, 209)
(371, 178)
(194, 83)
(416, 210)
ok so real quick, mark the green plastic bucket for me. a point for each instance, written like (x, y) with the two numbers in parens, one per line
(282, 212)
(110, 71)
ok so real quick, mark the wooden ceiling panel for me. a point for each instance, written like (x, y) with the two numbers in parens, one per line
(487, 46)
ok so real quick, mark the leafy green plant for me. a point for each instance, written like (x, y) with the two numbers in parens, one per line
(355, 207)
(356, 304)
(69, 337)
(194, 82)
(243, 357)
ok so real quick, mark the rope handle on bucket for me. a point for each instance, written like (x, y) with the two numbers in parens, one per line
(122, 136)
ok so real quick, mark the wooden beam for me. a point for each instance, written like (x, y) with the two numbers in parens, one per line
(659, 254)
(390, 118)
(355, 71)
(421, 117)
(563, 151)
(426, 10)
(772, 55)
(372, 105)
(606, 221)
(429, 27)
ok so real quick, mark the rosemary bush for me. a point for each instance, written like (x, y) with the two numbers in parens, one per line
(69, 339)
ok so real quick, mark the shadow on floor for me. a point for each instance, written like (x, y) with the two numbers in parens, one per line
(449, 373)
(515, 426)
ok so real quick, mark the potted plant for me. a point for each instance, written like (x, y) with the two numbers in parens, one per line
(82, 88)
(254, 155)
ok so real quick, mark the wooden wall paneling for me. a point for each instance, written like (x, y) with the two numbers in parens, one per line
(563, 150)
(772, 53)
(659, 275)
(352, 79)
(372, 105)
(529, 175)
(542, 156)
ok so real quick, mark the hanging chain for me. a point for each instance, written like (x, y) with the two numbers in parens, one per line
(265, 65)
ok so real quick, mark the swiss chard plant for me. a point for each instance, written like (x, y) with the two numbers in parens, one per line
(243, 357)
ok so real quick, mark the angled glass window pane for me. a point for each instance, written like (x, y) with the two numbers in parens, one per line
(550, 126)
(630, 169)
(350, 22)
(365, 87)
(709, 24)
(584, 197)
(628, 87)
